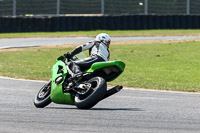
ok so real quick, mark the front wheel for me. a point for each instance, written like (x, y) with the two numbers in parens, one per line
(42, 98)
(93, 96)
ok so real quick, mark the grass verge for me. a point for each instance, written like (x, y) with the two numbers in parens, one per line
(171, 66)
(112, 33)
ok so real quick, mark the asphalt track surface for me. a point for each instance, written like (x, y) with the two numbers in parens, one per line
(28, 42)
(130, 110)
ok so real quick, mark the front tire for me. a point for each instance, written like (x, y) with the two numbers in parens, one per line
(95, 94)
(42, 98)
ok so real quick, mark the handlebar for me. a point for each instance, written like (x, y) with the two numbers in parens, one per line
(63, 58)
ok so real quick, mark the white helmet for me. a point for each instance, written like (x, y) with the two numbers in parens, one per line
(103, 37)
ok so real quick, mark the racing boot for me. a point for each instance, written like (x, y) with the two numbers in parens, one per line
(76, 70)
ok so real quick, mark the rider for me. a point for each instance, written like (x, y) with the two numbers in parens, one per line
(98, 51)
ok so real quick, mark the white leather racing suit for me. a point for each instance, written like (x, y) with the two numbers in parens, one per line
(98, 52)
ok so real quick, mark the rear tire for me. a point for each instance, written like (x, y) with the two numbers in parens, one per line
(42, 98)
(95, 94)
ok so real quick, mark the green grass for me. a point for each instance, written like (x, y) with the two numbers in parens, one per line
(173, 66)
(110, 32)
(161, 66)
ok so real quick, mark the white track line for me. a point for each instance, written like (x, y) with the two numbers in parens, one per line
(133, 89)
(23, 79)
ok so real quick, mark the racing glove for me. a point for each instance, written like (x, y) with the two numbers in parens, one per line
(68, 55)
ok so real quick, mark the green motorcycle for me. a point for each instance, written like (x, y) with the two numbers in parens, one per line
(83, 91)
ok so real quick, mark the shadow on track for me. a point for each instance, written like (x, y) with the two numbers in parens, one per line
(118, 109)
(99, 109)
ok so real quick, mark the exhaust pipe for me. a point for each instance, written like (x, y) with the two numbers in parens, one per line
(112, 91)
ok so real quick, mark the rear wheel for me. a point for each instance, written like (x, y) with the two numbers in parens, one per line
(42, 98)
(94, 95)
